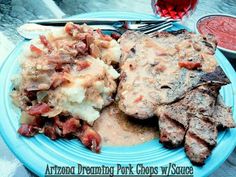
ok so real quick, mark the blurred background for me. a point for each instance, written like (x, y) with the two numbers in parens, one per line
(14, 13)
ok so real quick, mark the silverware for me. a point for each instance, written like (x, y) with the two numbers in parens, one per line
(151, 28)
(30, 30)
(96, 21)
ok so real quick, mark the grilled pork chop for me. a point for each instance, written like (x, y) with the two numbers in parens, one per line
(161, 70)
(193, 121)
(175, 76)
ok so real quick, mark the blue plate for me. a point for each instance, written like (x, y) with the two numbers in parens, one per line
(36, 152)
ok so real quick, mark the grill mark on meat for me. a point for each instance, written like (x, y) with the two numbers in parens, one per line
(203, 129)
(196, 149)
(173, 123)
(171, 132)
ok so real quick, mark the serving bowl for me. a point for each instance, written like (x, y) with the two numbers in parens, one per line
(227, 52)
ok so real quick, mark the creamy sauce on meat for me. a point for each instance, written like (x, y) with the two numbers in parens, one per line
(117, 129)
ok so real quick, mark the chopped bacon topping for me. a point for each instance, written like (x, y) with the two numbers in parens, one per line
(81, 36)
(31, 95)
(70, 126)
(45, 42)
(81, 48)
(38, 109)
(115, 36)
(138, 99)
(27, 130)
(70, 27)
(82, 65)
(35, 49)
(90, 138)
(94, 51)
(189, 65)
(89, 39)
(103, 36)
(57, 122)
(58, 79)
(50, 131)
(52, 71)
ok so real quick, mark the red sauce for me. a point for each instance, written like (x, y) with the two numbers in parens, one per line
(224, 29)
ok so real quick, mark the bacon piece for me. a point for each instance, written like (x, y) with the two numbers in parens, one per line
(45, 42)
(103, 36)
(70, 27)
(94, 51)
(90, 138)
(70, 126)
(50, 131)
(57, 122)
(38, 109)
(81, 48)
(35, 49)
(27, 130)
(81, 36)
(58, 79)
(89, 39)
(31, 95)
(82, 65)
(115, 36)
(189, 65)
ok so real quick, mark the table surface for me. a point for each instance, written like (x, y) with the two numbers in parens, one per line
(13, 13)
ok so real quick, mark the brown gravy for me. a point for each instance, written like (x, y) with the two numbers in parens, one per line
(117, 129)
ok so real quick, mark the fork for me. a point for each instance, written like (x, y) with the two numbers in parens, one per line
(151, 29)
(29, 31)
(146, 28)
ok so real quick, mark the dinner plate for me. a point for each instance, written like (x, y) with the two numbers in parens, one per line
(36, 152)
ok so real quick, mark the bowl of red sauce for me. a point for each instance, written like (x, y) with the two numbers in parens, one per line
(223, 27)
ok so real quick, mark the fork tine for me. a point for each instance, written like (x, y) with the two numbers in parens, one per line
(152, 34)
(150, 26)
(164, 28)
(157, 28)
(135, 26)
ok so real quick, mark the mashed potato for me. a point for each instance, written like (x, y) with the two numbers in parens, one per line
(88, 92)
(70, 71)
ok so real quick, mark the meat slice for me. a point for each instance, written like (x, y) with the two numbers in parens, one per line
(196, 149)
(173, 123)
(171, 132)
(147, 64)
(174, 118)
(222, 115)
(193, 121)
(200, 139)
(200, 102)
(203, 129)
